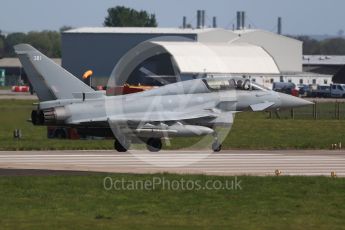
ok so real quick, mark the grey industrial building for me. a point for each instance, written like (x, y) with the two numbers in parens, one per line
(323, 64)
(264, 55)
(100, 49)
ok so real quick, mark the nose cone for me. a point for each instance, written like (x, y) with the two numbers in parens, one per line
(288, 101)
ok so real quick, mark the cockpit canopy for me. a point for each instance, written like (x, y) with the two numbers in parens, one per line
(233, 83)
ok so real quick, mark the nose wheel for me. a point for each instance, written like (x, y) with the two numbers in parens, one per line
(216, 145)
(154, 144)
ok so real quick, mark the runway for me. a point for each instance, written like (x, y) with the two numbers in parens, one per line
(233, 162)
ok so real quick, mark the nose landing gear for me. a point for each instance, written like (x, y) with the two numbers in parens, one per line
(216, 145)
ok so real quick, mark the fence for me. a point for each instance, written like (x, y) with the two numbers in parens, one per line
(319, 110)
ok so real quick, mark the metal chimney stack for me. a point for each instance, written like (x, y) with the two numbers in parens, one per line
(243, 20)
(203, 19)
(279, 25)
(214, 22)
(184, 22)
(239, 18)
(198, 19)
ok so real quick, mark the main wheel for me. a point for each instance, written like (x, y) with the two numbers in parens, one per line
(121, 146)
(216, 146)
(154, 144)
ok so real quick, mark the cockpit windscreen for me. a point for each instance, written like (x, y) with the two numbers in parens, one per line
(232, 83)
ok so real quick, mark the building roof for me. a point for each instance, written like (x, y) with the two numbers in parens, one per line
(199, 57)
(10, 62)
(161, 30)
(138, 30)
(323, 60)
(14, 62)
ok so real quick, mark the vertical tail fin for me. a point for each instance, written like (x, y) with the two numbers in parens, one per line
(49, 80)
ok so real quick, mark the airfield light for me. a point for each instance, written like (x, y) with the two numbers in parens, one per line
(277, 172)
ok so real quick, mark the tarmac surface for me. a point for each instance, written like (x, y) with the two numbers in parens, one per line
(230, 162)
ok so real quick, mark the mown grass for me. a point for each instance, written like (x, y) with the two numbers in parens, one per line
(324, 111)
(250, 131)
(256, 131)
(81, 202)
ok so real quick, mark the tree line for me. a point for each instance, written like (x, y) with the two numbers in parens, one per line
(46, 41)
(331, 46)
(49, 42)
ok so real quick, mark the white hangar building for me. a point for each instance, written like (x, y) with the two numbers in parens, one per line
(152, 55)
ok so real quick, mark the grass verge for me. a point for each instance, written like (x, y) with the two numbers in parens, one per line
(81, 202)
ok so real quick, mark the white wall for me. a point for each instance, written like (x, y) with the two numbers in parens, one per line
(286, 52)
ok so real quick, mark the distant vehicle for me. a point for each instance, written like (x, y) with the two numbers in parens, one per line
(337, 90)
(333, 90)
(303, 90)
(20, 88)
(62, 132)
(285, 87)
(320, 91)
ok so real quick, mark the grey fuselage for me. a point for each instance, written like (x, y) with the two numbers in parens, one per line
(190, 102)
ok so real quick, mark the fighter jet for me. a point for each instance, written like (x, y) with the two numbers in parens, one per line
(187, 108)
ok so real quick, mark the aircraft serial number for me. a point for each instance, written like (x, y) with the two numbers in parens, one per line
(37, 58)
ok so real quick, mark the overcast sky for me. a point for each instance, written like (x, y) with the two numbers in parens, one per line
(299, 16)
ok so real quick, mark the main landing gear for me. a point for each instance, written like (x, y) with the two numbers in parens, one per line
(154, 144)
(123, 145)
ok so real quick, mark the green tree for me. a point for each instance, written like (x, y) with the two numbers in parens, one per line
(333, 46)
(48, 42)
(121, 16)
(310, 46)
(12, 40)
(2, 47)
(2, 44)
